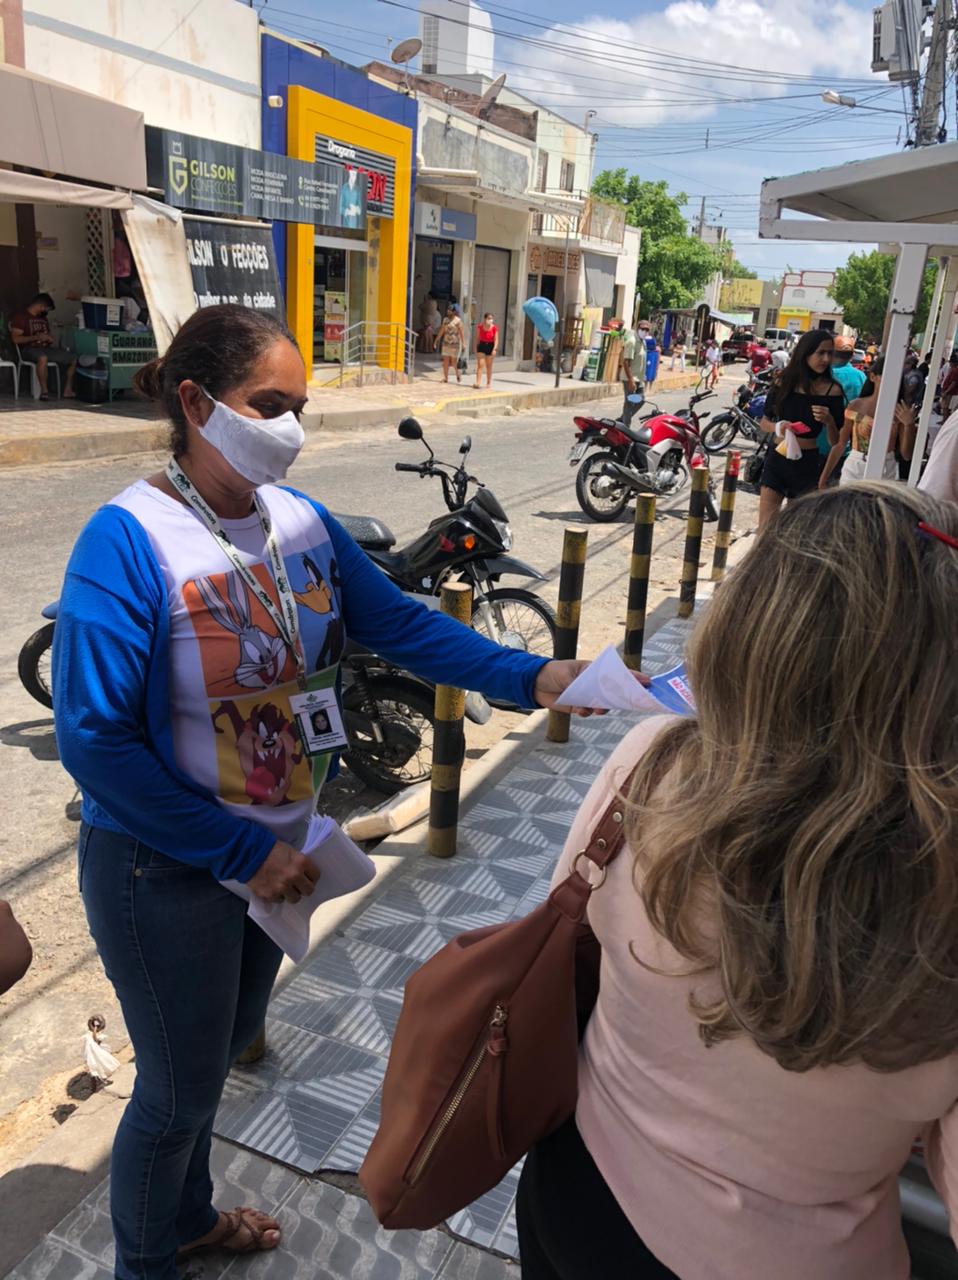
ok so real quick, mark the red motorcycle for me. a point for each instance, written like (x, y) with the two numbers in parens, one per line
(657, 456)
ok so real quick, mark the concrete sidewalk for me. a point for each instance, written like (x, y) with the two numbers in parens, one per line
(32, 433)
(299, 1121)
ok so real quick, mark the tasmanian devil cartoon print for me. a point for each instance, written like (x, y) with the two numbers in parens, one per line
(261, 656)
(267, 747)
(318, 596)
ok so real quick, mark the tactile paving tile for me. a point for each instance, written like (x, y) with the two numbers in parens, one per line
(313, 1102)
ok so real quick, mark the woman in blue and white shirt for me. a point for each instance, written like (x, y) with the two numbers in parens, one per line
(201, 608)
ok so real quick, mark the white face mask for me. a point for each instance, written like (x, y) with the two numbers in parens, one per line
(262, 450)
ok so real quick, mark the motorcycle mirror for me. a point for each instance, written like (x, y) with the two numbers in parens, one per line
(466, 445)
(410, 429)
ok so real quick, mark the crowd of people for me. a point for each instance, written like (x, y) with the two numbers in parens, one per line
(776, 1021)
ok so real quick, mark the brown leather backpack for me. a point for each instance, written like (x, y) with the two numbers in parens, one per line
(484, 1059)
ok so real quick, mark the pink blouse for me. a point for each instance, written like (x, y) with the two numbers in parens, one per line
(726, 1164)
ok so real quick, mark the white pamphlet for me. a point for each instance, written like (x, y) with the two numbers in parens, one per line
(343, 868)
(607, 684)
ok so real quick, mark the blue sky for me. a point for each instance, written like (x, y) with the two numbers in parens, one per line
(658, 76)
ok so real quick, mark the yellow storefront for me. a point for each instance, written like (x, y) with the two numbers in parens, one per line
(347, 276)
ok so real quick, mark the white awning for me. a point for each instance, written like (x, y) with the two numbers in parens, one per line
(27, 188)
(910, 197)
(468, 183)
(48, 126)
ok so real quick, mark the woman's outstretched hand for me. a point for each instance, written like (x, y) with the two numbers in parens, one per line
(556, 676)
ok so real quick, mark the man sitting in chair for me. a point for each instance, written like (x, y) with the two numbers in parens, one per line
(30, 332)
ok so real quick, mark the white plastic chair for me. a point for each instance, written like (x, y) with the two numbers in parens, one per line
(15, 370)
(52, 367)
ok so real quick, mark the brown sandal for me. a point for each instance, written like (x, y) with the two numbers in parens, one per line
(232, 1223)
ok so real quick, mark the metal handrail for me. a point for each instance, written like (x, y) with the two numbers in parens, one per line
(382, 343)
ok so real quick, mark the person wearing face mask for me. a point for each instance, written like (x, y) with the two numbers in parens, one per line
(203, 609)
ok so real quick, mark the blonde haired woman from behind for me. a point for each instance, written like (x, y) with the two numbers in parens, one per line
(777, 1019)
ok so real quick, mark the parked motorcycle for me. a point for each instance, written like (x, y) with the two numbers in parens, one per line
(654, 457)
(743, 418)
(388, 713)
(469, 544)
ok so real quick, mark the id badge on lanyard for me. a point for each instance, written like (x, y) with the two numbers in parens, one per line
(319, 721)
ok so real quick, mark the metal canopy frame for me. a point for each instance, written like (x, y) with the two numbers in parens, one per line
(908, 199)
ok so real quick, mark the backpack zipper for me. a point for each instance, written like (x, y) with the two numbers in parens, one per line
(499, 1019)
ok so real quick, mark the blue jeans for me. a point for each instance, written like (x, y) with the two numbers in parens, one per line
(193, 977)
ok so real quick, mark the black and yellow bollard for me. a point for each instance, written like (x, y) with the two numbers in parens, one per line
(723, 532)
(639, 569)
(693, 542)
(449, 741)
(569, 607)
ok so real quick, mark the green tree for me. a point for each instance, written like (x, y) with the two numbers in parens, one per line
(673, 266)
(862, 289)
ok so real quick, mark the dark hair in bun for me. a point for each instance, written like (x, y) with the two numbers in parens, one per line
(217, 347)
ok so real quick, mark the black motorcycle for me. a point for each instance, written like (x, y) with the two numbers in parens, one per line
(388, 713)
(469, 544)
(741, 418)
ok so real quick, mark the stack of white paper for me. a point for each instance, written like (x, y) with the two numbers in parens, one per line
(343, 868)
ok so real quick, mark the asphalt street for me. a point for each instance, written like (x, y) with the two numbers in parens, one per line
(523, 459)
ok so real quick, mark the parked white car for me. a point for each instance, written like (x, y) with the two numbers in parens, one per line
(780, 339)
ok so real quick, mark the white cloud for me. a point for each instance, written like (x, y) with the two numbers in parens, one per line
(821, 37)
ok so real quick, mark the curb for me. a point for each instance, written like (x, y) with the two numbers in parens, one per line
(105, 441)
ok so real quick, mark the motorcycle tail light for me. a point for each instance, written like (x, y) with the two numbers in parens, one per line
(446, 544)
(615, 437)
(468, 542)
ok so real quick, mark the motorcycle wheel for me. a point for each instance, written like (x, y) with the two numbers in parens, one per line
(720, 433)
(33, 665)
(598, 506)
(520, 621)
(407, 714)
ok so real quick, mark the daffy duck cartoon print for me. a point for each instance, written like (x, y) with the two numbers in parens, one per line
(268, 750)
(318, 596)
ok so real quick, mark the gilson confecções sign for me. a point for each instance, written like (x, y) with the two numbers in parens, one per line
(230, 262)
(216, 177)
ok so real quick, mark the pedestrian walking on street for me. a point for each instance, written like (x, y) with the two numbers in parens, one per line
(452, 344)
(678, 351)
(852, 382)
(713, 358)
(776, 1018)
(487, 347)
(187, 658)
(631, 372)
(806, 396)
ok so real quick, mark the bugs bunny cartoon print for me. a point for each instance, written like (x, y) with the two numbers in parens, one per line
(261, 657)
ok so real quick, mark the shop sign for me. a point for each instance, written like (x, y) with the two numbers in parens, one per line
(378, 171)
(444, 224)
(198, 173)
(334, 325)
(233, 263)
(553, 261)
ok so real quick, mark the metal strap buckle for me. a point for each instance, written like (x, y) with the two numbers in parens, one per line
(604, 870)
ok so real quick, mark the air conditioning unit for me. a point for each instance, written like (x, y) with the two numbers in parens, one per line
(879, 63)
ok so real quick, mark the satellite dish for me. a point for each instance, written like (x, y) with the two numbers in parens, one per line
(406, 50)
(490, 96)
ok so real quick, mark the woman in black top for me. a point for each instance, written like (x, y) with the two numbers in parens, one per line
(805, 393)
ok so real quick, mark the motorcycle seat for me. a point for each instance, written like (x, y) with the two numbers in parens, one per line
(370, 533)
(641, 435)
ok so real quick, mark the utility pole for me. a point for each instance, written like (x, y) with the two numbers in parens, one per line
(702, 219)
(929, 114)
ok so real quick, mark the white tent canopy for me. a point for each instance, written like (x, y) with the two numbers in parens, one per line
(909, 199)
